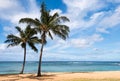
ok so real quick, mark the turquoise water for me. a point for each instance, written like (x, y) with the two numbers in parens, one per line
(59, 66)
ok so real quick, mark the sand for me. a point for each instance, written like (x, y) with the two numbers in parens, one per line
(61, 76)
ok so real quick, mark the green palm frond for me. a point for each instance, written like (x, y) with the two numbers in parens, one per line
(26, 35)
(48, 23)
(63, 18)
(21, 32)
(37, 20)
(23, 45)
(59, 34)
(35, 39)
(18, 29)
(53, 18)
(62, 27)
(29, 21)
(43, 7)
(12, 44)
(62, 30)
(31, 44)
(49, 33)
(13, 40)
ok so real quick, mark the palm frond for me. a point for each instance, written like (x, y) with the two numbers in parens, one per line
(13, 44)
(52, 18)
(61, 31)
(35, 39)
(37, 20)
(31, 44)
(43, 7)
(23, 45)
(29, 21)
(49, 33)
(59, 34)
(64, 19)
(12, 38)
(62, 27)
(61, 19)
(18, 29)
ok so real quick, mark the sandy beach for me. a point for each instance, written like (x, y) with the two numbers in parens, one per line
(87, 76)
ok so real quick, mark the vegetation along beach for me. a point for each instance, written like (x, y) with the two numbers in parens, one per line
(59, 40)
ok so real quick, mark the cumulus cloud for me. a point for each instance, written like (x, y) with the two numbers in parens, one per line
(3, 46)
(12, 10)
(11, 53)
(55, 10)
(86, 42)
(91, 15)
(9, 8)
(77, 10)
(111, 20)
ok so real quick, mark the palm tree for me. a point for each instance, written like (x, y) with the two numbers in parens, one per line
(26, 37)
(45, 25)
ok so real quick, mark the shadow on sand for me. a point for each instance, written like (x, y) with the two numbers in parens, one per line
(15, 77)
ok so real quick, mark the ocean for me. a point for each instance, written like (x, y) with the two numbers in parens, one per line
(12, 67)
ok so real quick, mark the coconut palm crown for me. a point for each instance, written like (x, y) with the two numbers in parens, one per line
(25, 37)
(48, 25)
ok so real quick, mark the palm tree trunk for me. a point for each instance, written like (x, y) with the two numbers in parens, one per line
(40, 61)
(23, 61)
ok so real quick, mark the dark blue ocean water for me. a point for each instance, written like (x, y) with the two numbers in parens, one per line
(59, 66)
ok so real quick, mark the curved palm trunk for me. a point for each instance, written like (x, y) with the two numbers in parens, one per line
(40, 61)
(23, 61)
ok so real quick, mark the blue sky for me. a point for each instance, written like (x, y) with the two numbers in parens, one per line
(94, 26)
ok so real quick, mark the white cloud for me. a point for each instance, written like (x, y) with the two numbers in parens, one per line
(109, 21)
(9, 30)
(9, 8)
(86, 42)
(13, 10)
(79, 10)
(95, 49)
(113, 1)
(83, 4)
(99, 21)
(3, 46)
(15, 18)
(7, 4)
(11, 53)
(56, 56)
(33, 6)
(61, 46)
(51, 47)
(55, 10)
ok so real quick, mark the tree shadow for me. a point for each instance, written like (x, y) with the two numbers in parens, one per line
(15, 77)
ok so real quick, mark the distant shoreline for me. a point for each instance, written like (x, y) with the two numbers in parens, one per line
(61, 72)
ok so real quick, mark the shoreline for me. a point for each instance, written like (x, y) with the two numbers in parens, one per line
(63, 76)
(63, 72)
